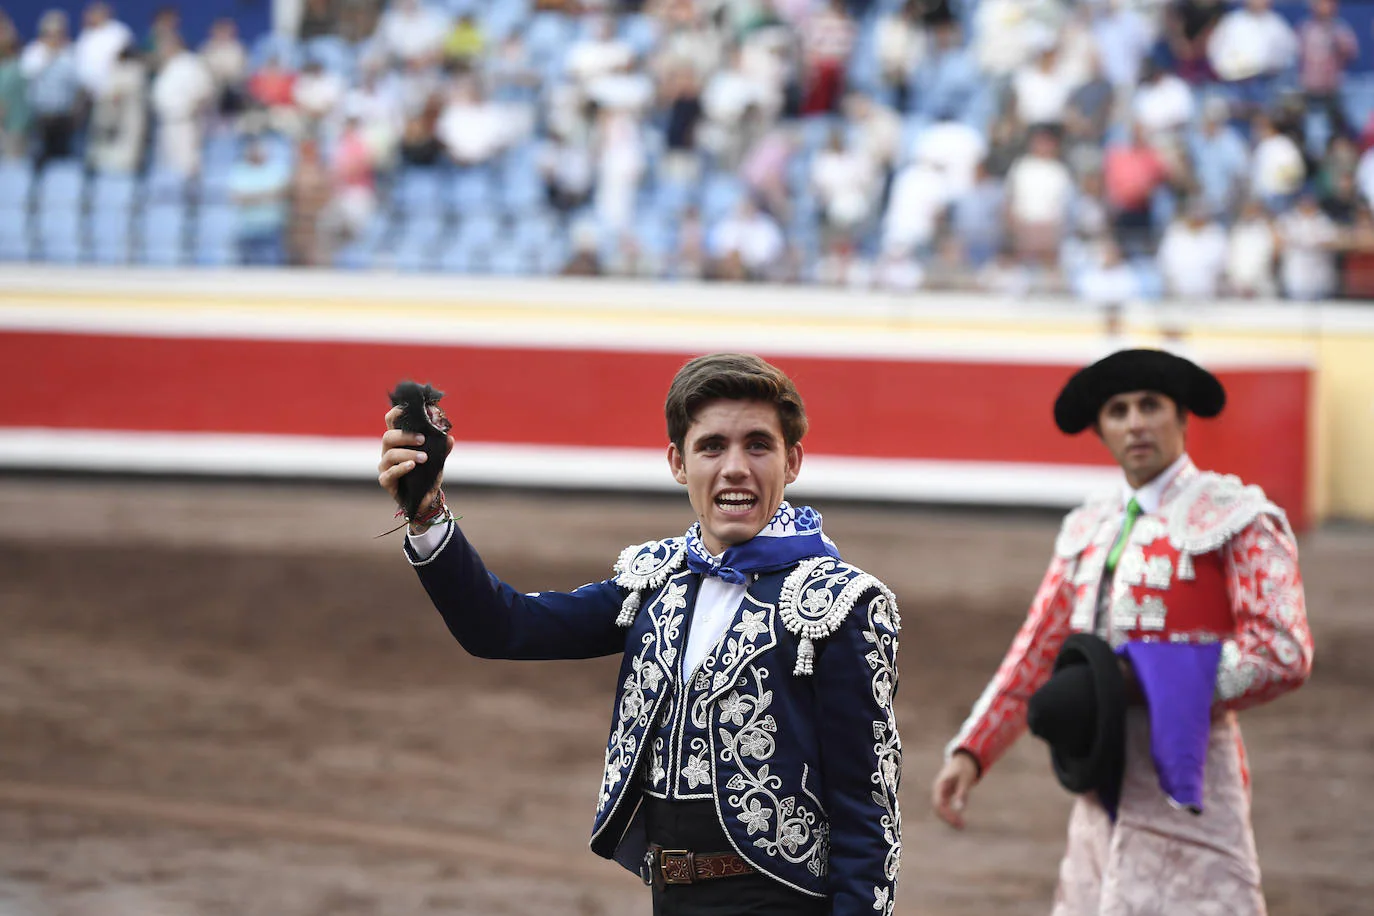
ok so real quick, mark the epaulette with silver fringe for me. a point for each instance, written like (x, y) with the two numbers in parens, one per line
(817, 596)
(646, 566)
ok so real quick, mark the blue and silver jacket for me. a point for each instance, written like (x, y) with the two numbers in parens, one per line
(787, 725)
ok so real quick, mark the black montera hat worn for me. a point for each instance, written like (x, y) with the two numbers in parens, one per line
(1081, 713)
(1188, 384)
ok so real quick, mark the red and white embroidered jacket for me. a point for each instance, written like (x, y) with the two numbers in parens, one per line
(1218, 561)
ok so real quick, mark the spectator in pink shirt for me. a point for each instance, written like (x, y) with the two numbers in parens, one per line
(1326, 46)
(1131, 173)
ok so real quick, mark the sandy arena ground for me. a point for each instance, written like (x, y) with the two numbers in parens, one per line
(230, 699)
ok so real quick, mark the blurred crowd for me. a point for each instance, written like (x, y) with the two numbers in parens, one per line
(1110, 149)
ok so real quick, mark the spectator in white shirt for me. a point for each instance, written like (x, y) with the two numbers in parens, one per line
(899, 42)
(97, 47)
(1042, 89)
(1163, 103)
(119, 116)
(1112, 282)
(1307, 251)
(1192, 254)
(182, 92)
(317, 94)
(1250, 253)
(1277, 166)
(227, 60)
(1039, 188)
(752, 237)
(620, 162)
(599, 54)
(409, 31)
(955, 147)
(920, 194)
(725, 98)
(471, 129)
(846, 184)
(1252, 41)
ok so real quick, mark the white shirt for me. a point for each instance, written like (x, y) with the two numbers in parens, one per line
(1277, 167)
(717, 601)
(96, 50)
(1193, 261)
(1165, 105)
(1151, 495)
(1246, 44)
(1039, 189)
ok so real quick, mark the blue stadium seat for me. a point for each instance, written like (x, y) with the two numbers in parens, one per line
(548, 36)
(113, 191)
(720, 194)
(165, 186)
(459, 257)
(272, 44)
(15, 240)
(419, 193)
(61, 184)
(472, 188)
(509, 261)
(480, 230)
(640, 32)
(16, 182)
(216, 230)
(416, 243)
(333, 53)
(162, 235)
(502, 18)
(59, 233)
(110, 231)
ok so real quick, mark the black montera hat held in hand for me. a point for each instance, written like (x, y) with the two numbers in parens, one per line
(1188, 384)
(1080, 712)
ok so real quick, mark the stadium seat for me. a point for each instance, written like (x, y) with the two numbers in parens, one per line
(110, 232)
(419, 193)
(15, 241)
(472, 188)
(216, 228)
(16, 183)
(61, 184)
(721, 193)
(415, 246)
(273, 44)
(503, 18)
(58, 229)
(332, 53)
(165, 186)
(113, 191)
(162, 235)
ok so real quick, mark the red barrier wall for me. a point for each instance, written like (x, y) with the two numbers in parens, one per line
(885, 408)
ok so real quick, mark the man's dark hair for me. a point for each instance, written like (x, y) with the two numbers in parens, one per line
(732, 377)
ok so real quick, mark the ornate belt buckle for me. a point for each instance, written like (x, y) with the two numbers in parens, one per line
(678, 866)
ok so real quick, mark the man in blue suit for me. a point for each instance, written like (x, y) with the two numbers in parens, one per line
(753, 759)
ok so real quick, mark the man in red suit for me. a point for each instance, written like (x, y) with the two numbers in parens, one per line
(1180, 567)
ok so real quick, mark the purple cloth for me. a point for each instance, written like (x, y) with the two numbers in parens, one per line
(1179, 682)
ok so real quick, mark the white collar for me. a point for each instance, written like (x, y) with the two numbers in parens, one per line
(1149, 496)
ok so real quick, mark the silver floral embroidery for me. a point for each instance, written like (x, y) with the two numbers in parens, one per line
(887, 745)
(636, 712)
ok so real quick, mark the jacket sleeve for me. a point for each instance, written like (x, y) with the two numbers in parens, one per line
(492, 620)
(1271, 653)
(861, 756)
(999, 716)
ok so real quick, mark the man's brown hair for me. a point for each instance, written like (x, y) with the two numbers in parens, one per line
(732, 377)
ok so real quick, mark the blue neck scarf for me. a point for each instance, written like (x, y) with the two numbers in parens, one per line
(793, 534)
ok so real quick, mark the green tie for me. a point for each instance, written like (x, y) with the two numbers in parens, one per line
(1132, 513)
